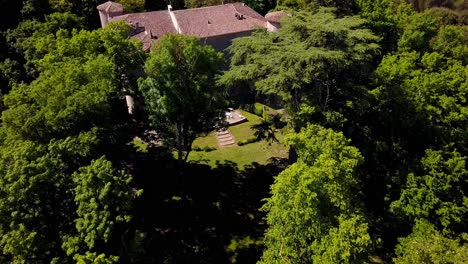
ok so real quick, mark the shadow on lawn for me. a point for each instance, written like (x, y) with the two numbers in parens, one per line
(208, 215)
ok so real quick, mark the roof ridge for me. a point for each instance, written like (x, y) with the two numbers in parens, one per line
(146, 12)
(205, 7)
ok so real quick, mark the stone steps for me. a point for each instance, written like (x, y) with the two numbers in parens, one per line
(225, 138)
(229, 143)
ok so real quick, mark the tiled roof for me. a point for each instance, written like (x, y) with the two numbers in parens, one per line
(218, 20)
(274, 16)
(247, 11)
(148, 26)
(111, 7)
(201, 22)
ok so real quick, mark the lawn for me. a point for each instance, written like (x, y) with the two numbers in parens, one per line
(259, 152)
(240, 132)
(243, 131)
(206, 141)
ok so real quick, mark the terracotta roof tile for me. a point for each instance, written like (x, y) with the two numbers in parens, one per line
(148, 26)
(201, 22)
(218, 20)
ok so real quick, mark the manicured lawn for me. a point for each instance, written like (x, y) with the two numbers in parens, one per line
(243, 131)
(240, 132)
(206, 141)
(258, 152)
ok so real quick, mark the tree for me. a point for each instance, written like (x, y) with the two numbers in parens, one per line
(314, 213)
(418, 106)
(266, 129)
(315, 63)
(440, 195)
(381, 16)
(133, 6)
(50, 213)
(82, 81)
(427, 76)
(35, 9)
(427, 245)
(63, 190)
(103, 201)
(181, 97)
(37, 208)
(343, 7)
(417, 29)
(33, 39)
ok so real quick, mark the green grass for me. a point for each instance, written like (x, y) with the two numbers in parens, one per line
(243, 131)
(259, 152)
(240, 132)
(206, 141)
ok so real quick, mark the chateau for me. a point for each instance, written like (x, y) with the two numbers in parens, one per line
(213, 25)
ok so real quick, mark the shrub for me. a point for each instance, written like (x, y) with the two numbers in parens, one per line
(258, 109)
(247, 141)
(267, 116)
(208, 149)
(196, 148)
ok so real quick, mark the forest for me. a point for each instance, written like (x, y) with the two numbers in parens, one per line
(355, 150)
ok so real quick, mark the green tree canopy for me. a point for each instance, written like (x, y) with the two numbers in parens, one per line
(439, 196)
(314, 63)
(62, 187)
(427, 245)
(414, 135)
(314, 212)
(343, 6)
(33, 39)
(181, 96)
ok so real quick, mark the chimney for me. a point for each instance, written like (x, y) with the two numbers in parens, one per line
(169, 8)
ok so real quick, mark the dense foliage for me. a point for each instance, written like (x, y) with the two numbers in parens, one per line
(374, 104)
(314, 213)
(182, 106)
(63, 187)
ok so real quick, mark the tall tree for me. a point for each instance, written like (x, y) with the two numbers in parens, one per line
(427, 245)
(32, 39)
(440, 196)
(381, 16)
(418, 107)
(343, 7)
(315, 63)
(181, 96)
(63, 189)
(314, 213)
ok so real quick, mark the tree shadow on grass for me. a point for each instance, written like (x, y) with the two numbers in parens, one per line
(208, 215)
